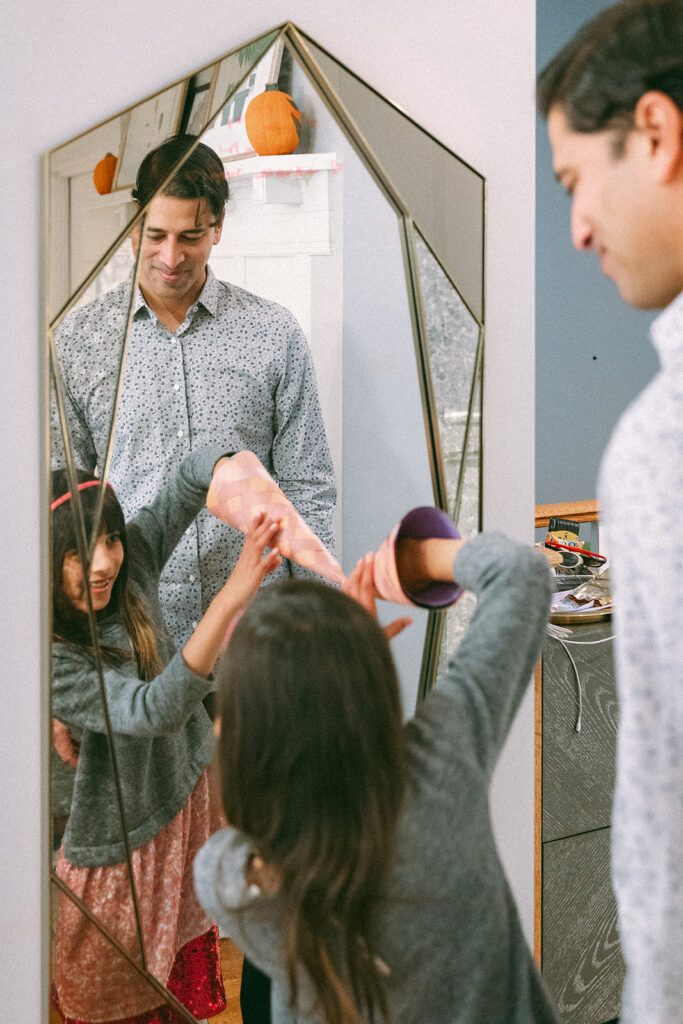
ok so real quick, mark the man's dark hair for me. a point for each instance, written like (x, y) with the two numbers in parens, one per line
(200, 176)
(625, 51)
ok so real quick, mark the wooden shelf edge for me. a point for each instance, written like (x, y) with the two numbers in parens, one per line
(580, 511)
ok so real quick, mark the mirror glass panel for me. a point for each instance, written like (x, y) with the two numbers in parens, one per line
(442, 193)
(454, 339)
(126, 985)
(81, 736)
(371, 234)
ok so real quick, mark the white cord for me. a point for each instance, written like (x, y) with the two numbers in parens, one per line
(577, 726)
(560, 633)
(587, 643)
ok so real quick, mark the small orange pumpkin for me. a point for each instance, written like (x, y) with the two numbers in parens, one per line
(103, 175)
(273, 122)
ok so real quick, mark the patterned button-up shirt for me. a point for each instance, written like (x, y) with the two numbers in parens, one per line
(641, 495)
(238, 371)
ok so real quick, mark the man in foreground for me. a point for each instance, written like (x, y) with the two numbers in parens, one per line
(613, 98)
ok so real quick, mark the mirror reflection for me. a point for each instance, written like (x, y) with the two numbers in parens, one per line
(285, 323)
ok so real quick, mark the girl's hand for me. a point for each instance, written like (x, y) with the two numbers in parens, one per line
(66, 746)
(203, 647)
(360, 585)
(255, 562)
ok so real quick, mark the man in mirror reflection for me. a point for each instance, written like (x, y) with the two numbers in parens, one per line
(613, 98)
(207, 362)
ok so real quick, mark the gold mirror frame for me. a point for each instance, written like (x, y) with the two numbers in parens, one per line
(454, 266)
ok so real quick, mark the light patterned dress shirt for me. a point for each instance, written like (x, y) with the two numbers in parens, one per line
(238, 372)
(641, 495)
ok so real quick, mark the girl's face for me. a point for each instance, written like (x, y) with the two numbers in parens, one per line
(106, 562)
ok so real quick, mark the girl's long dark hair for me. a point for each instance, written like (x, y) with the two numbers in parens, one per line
(69, 625)
(313, 772)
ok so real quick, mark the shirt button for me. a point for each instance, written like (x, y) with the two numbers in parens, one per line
(188, 530)
(191, 579)
(194, 625)
(176, 387)
(180, 433)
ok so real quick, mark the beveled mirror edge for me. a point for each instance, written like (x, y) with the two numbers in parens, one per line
(391, 103)
(433, 440)
(297, 39)
(436, 622)
(178, 81)
(475, 391)
(45, 610)
(348, 125)
(104, 469)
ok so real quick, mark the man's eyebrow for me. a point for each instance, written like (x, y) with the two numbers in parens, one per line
(185, 231)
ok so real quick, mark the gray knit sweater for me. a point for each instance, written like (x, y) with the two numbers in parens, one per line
(163, 736)
(447, 927)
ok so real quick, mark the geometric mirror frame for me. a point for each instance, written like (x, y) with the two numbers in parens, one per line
(432, 204)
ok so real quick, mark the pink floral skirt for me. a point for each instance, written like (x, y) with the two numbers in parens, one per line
(93, 982)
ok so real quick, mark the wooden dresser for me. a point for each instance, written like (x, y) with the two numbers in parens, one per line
(576, 936)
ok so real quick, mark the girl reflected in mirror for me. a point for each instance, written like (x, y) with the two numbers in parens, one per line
(163, 742)
(360, 870)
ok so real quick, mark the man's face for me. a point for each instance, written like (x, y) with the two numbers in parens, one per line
(174, 249)
(617, 210)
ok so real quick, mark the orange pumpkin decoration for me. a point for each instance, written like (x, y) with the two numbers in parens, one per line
(103, 175)
(273, 122)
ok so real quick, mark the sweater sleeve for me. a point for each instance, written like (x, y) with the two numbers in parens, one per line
(158, 527)
(490, 670)
(136, 707)
(254, 922)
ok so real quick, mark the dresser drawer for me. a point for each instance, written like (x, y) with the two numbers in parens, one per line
(581, 958)
(578, 767)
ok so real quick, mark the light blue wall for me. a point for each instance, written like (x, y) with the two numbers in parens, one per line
(592, 351)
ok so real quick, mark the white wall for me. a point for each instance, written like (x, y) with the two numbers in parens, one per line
(464, 69)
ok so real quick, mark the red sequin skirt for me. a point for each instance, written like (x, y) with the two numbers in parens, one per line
(195, 980)
(93, 982)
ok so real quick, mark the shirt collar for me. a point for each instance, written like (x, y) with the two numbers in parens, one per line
(208, 296)
(667, 333)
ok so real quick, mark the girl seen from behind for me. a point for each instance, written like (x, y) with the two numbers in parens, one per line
(360, 871)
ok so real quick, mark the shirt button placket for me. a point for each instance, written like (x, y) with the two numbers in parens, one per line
(180, 397)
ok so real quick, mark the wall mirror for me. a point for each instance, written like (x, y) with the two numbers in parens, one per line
(372, 233)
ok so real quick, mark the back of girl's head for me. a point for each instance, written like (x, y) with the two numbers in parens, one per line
(65, 538)
(312, 761)
(311, 735)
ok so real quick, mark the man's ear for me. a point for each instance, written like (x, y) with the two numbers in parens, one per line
(218, 229)
(135, 234)
(657, 116)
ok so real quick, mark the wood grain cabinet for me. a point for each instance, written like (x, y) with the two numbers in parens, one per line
(577, 937)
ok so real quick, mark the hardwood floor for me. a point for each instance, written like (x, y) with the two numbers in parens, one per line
(231, 963)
